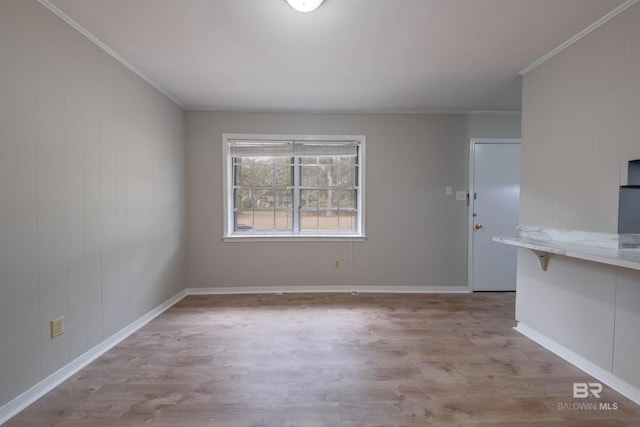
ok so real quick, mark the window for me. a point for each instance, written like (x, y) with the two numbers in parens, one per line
(293, 186)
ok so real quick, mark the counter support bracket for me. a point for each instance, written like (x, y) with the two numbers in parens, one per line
(543, 258)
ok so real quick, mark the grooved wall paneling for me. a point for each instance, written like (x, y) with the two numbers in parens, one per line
(580, 128)
(92, 199)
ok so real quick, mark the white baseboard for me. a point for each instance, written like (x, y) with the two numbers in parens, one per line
(233, 290)
(580, 362)
(25, 399)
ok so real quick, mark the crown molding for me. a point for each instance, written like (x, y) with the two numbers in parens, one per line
(354, 111)
(108, 50)
(600, 22)
(147, 79)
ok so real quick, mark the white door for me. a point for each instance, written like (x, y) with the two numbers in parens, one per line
(494, 208)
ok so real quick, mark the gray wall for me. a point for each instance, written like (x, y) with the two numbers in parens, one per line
(92, 201)
(580, 127)
(417, 236)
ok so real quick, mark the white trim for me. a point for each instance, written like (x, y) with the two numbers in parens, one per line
(350, 111)
(490, 113)
(75, 25)
(108, 50)
(294, 238)
(34, 393)
(227, 196)
(600, 22)
(470, 207)
(239, 290)
(580, 362)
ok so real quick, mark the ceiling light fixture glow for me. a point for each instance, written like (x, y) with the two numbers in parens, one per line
(305, 5)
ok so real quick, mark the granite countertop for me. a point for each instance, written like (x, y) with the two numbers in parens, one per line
(597, 247)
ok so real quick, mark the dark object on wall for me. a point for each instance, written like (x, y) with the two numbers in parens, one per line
(634, 173)
(629, 204)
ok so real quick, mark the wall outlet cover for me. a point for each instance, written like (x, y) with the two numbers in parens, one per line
(57, 326)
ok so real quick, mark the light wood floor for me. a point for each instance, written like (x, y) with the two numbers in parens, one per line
(329, 360)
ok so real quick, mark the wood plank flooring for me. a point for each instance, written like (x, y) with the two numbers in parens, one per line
(329, 360)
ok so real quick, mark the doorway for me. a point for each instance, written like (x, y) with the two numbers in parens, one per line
(494, 207)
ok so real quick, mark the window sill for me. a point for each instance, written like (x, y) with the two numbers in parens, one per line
(298, 238)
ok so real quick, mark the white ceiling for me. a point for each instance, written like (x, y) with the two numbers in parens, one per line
(348, 55)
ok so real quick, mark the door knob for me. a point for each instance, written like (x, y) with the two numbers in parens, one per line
(478, 226)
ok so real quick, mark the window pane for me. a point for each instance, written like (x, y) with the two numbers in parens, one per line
(321, 207)
(243, 221)
(319, 220)
(309, 176)
(325, 192)
(283, 206)
(244, 210)
(283, 175)
(347, 221)
(330, 173)
(262, 214)
(347, 172)
(263, 170)
(322, 198)
(244, 200)
(328, 220)
(242, 172)
(309, 198)
(284, 220)
(263, 220)
(309, 220)
(283, 199)
(347, 199)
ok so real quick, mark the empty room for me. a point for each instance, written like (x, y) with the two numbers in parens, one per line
(319, 213)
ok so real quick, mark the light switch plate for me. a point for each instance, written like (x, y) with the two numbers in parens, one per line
(461, 195)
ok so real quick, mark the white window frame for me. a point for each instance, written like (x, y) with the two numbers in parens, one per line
(227, 170)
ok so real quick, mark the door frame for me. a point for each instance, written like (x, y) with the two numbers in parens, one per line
(471, 200)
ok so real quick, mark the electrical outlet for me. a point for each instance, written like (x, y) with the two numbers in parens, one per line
(57, 326)
(336, 264)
